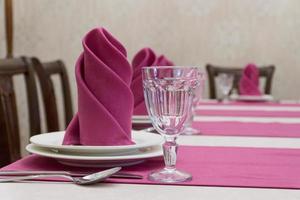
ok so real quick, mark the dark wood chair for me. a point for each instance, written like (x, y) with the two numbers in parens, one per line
(45, 71)
(9, 121)
(213, 71)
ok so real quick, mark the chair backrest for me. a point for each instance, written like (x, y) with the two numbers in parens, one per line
(9, 126)
(213, 71)
(44, 72)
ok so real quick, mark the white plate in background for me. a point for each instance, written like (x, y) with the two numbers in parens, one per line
(253, 98)
(141, 119)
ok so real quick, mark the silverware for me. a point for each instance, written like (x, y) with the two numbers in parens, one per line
(74, 174)
(86, 180)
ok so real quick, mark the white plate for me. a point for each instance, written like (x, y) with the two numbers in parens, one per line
(141, 119)
(96, 160)
(254, 98)
(53, 141)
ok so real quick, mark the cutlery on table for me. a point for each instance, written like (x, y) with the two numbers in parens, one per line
(74, 174)
(85, 180)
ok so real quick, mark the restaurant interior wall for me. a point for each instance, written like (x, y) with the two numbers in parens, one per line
(190, 32)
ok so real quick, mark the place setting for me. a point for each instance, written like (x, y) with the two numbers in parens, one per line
(100, 134)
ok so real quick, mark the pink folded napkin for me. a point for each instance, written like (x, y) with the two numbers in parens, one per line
(103, 77)
(249, 82)
(145, 57)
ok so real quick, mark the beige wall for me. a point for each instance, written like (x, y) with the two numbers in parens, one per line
(190, 32)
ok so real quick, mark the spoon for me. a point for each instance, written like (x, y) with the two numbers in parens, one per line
(86, 180)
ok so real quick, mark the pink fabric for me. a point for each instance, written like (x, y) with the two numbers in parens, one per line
(249, 82)
(210, 166)
(145, 57)
(248, 129)
(103, 77)
(244, 103)
(248, 113)
(234, 128)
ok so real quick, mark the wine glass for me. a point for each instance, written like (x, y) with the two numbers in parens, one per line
(198, 92)
(168, 95)
(225, 83)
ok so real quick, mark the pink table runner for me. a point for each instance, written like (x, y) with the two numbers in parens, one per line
(235, 128)
(248, 129)
(247, 113)
(210, 166)
(245, 103)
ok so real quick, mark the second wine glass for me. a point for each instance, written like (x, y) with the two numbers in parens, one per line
(225, 83)
(198, 92)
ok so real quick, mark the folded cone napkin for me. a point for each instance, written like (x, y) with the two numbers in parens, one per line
(103, 77)
(249, 82)
(145, 57)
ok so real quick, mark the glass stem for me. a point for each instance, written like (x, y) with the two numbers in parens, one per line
(226, 98)
(170, 153)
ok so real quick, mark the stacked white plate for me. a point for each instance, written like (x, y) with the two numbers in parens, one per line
(147, 145)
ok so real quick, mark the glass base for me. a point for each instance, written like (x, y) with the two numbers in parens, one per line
(169, 176)
(190, 131)
(226, 100)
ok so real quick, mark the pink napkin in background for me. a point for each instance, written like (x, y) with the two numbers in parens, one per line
(145, 57)
(249, 82)
(103, 77)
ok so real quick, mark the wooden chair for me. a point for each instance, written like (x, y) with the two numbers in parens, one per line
(44, 72)
(213, 71)
(9, 126)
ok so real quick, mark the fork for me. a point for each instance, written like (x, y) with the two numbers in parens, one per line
(86, 180)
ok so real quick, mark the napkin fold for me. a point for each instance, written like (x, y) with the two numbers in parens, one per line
(103, 77)
(145, 57)
(249, 82)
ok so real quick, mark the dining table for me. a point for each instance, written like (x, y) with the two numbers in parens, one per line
(264, 125)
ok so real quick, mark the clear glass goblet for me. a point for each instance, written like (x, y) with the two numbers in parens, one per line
(198, 92)
(168, 95)
(225, 83)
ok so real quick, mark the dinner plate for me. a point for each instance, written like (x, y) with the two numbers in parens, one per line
(53, 141)
(97, 160)
(254, 98)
